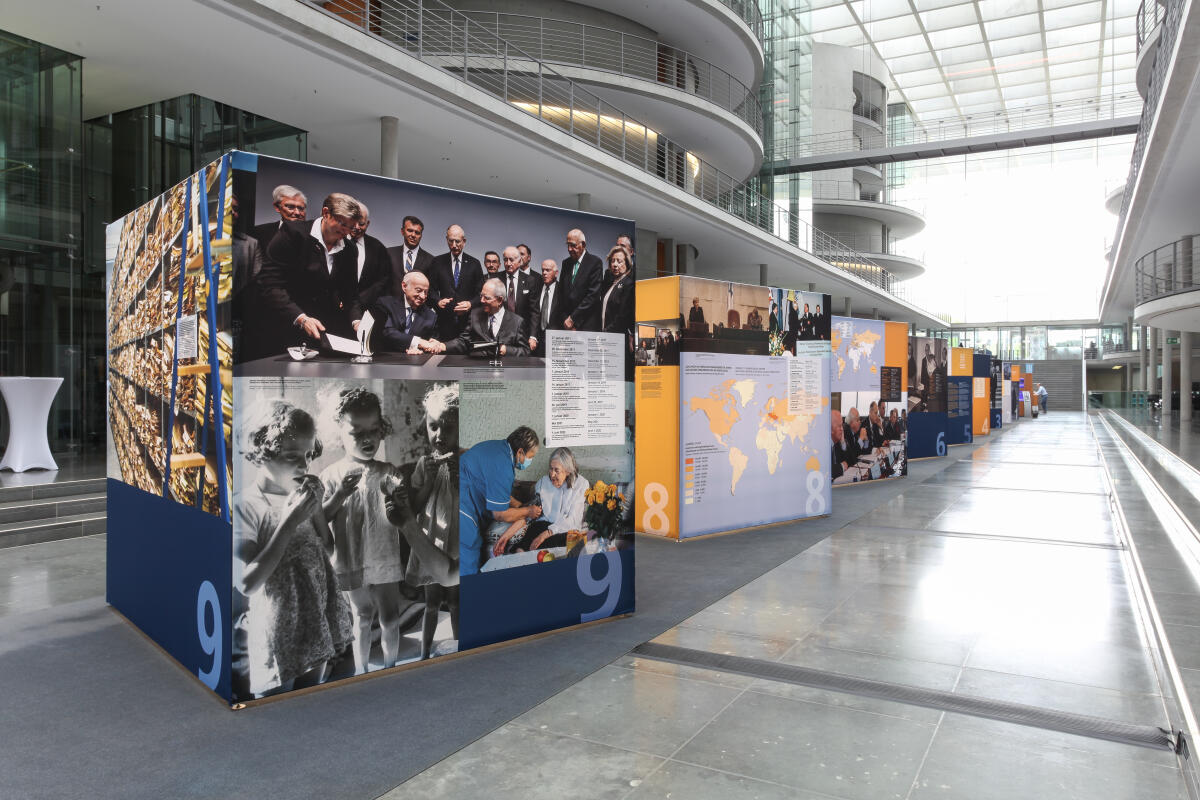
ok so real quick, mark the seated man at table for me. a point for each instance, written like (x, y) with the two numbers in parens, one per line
(407, 323)
(843, 454)
(492, 323)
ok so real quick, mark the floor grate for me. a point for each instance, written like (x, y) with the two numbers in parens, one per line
(1148, 736)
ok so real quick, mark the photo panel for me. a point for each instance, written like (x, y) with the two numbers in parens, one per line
(872, 441)
(723, 317)
(798, 322)
(354, 482)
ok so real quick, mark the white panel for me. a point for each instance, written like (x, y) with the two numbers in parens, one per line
(1076, 35)
(1021, 60)
(951, 17)
(999, 9)
(1015, 77)
(893, 28)
(919, 78)
(824, 19)
(1024, 91)
(1072, 68)
(1077, 94)
(1018, 46)
(902, 47)
(962, 55)
(929, 5)
(990, 96)
(933, 104)
(913, 63)
(970, 68)
(977, 83)
(925, 92)
(1071, 16)
(955, 37)
(882, 9)
(847, 37)
(1070, 84)
(1125, 26)
(1013, 26)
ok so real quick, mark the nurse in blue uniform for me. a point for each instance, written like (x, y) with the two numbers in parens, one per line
(485, 478)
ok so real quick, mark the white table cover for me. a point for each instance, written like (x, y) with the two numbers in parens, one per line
(28, 401)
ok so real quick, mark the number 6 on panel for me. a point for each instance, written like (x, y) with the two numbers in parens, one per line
(941, 444)
(210, 640)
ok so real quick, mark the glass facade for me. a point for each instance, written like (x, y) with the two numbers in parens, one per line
(1040, 342)
(51, 303)
(786, 96)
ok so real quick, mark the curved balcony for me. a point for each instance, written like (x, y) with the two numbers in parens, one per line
(667, 88)
(438, 36)
(1148, 26)
(848, 198)
(728, 32)
(885, 252)
(1167, 286)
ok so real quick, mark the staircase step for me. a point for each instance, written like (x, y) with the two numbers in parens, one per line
(20, 510)
(48, 530)
(44, 491)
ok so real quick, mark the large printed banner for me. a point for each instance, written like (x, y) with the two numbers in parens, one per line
(997, 398)
(869, 395)
(959, 396)
(981, 394)
(736, 379)
(927, 373)
(427, 419)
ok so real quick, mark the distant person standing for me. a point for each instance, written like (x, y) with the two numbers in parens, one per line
(1042, 396)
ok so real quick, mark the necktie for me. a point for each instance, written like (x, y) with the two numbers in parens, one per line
(456, 273)
(492, 327)
(407, 319)
(574, 272)
(408, 262)
(546, 305)
(512, 293)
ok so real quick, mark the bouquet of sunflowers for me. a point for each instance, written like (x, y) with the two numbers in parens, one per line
(605, 510)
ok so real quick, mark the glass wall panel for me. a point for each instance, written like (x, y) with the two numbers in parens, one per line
(51, 306)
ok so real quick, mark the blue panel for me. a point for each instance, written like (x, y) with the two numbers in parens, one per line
(169, 569)
(925, 429)
(981, 365)
(247, 162)
(958, 405)
(997, 418)
(509, 603)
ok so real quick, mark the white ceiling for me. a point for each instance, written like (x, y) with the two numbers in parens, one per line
(966, 57)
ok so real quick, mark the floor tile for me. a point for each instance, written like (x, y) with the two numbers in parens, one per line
(839, 751)
(631, 709)
(679, 781)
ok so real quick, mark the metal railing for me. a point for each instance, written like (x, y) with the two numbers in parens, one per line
(566, 43)
(961, 126)
(870, 98)
(441, 37)
(876, 243)
(1150, 15)
(1167, 270)
(1162, 58)
(749, 12)
(852, 190)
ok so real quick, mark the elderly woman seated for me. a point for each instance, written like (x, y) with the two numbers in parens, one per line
(560, 494)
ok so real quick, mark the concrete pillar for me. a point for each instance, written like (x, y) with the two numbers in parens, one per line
(846, 312)
(583, 201)
(669, 267)
(812, 287)
(1142, 358)
(1185, 376)
(762, 275)
(1151, 361)
(685, 259)
(1168, 371)
(389, 147)
(875, 313)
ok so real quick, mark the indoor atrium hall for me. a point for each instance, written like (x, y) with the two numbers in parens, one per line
(728, 399)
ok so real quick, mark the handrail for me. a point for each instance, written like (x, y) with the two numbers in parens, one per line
(1147, 22)
(1167, 270)
(852, 190)
(876, 243)
(564, 42)
(960, 126)
(448, 40)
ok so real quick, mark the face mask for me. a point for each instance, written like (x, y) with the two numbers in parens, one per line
(523, 465)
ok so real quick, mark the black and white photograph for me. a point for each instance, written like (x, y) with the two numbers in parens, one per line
(340, 265)
(345, 529)
(927, 358)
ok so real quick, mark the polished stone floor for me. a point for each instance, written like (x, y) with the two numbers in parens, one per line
(999, 574)
(1001, 578)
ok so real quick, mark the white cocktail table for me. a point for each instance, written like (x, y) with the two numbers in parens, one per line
(28, 401)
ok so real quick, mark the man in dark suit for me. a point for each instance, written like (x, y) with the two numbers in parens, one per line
(582, 276)
(455, 282)
(409, 256)
(549, 305)
(526, 263)
(491, 264)
(308, 275)
(492, 322)
(374, 268)
(291, 204)
(523, 291)
(843, 458)
(407, 323)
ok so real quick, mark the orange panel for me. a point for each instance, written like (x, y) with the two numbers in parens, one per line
(895, 352)
(962, 361)
(658, 298)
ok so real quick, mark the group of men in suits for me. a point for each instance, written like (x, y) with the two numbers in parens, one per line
(319, 276)
(857, 435)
